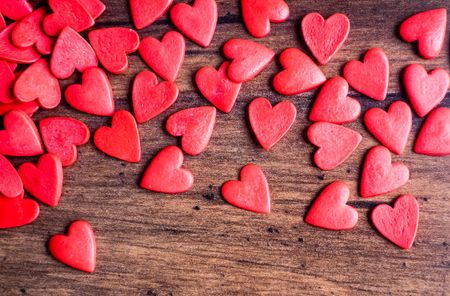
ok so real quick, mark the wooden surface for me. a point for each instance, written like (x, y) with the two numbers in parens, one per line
(195, 243)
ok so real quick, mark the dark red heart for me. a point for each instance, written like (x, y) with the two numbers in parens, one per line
(15, 9)
(258, 14)
(14, 54)
(16, 212)
(94, 7)
(11, 185)
(29, 108)
(434, 136)
(145, 12)
(6, 83)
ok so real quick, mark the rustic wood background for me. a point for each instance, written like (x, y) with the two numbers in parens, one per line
(197, 244)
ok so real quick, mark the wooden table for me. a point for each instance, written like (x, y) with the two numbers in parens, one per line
(197, 244)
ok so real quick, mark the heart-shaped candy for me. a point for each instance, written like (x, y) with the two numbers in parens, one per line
(145, 12)
(391, 128)
(38, 83)
(14, 54)
(371, 77)
(151, 98)
(196, 22)
(6, 83)
(379, 175)
(45, 180)
(94, 95)
(258, 14)
(217, 88)
(251, 193)
(16, 212)
(330, 209)
(29, 108)
(434, 136)
(249, 59)
(71, 52)
(165, 57)
(78, 249)
(425, 90)
(94, 7)
(15, 9)
(398, 224)
(11, 185)
(300, 73)
(165, 174)
(270, 124)
(428, 29)
(112, 46)
(333, 104)
(195, 126)
(121, 140)
(61, 135)
(336, 143)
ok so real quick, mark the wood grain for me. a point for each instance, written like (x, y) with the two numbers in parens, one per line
(195, 243)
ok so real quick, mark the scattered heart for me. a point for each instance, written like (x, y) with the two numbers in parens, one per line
(434, 136)
(258, 14)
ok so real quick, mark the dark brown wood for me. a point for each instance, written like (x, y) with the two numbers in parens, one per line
(195, 243)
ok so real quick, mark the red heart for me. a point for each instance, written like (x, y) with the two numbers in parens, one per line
(165, 174)
(121, 140)
(249, 59)
(371, 77)
(165, 57)
(94, 95)
(151, 98)
(61, 135)
(391, 128)
(67, 13)
(434, 136)
(195, 126)
(45, 180)
(379, 175)
(330, 210)
(20, 136)
(14, 54)
(16, 212)
(145, 12)
(196, 22)
(112, 46)
(6, 83)
(29, 108)
(217, 88)
(38, 83)
(78, 249)
(251, 193)
(428, 29)
(258, 14)
(398, 224)
(15, 9)
(333, 104)
(336, 143)
(271, 124)
(300, 74)
(71, 52)
(425, 90)
(325, 38)
(94, 7)
(10, 183)
(2, 22)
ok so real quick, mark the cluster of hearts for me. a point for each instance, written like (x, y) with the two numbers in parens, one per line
(55, 33)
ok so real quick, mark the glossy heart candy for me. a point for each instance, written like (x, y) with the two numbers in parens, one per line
(391, 128)
(398, 224)
(217, 88)
(333, 104)
(14, 54)
(145, 12)
(112, 45)
(45, 180)
(300, 73)
(38, 83)
(20, 136)
(61, 135)
(196, 22)
(78, 249)
(325, 37)
(258, 14)
(15, 9)
(165, 173)
(428, 29)
(248, 59)
(330, 210)
(425, 90)
(434, 136)
(195, 126)
(16, 212)
(121, 140)
(270, 124)
(165, 57)
(94, 95)
(71, 52)
(10, 183)
(95, 8)
(29, 108)
(251, 193)
(151, 98)
(379, 175)
(6, 83)
(371, 77)
(336, 143)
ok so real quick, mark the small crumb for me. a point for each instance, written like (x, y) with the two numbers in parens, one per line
(272, 230)
(124, 164)
(349, 171)
(197, 208)
(321, 177)
(301, 240)
(152, 292)
(23, 291)
(425, 199)
(209, 196)
(247, 238)
(445, 244)
(404, 264)
(121, 174)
